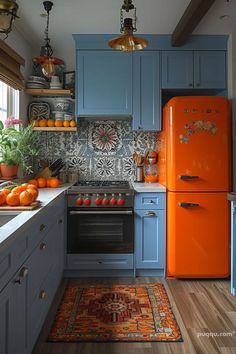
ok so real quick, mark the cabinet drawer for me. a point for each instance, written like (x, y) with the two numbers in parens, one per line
(150, 201)
(100, 261)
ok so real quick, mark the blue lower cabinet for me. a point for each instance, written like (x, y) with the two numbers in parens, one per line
(7, 320)
(233, 248)
(150, 239)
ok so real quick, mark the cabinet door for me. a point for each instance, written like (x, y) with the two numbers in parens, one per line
(210, 69)
(6, 320)
(104, 83)
(233, 248)
(177, 69)
(150, 239)
(146, 91)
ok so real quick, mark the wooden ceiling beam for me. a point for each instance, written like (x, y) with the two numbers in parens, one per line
(190, 19)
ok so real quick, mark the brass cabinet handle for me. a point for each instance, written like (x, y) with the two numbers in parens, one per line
(150, 213)
(22, 274)
(42, 246)
(42, 227)
(42, 294)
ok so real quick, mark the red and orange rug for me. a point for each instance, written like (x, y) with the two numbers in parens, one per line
(129, 313)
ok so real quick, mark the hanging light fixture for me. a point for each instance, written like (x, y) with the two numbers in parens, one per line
(128, 42)
(46, 60)
(8, 10)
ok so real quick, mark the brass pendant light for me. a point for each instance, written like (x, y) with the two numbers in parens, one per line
(128, 42)
(46, 60)
(8, 10)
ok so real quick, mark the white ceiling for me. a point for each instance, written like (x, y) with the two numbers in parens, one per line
(102, 16)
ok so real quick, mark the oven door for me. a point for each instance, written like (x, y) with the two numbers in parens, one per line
(100, 230)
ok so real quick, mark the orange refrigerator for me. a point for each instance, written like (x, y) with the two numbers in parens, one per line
(194, 165)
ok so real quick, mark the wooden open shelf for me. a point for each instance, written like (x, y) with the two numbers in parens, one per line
(55, 129)
(47, 92)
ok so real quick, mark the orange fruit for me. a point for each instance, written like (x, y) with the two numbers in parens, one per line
(43, 123)
(32, 186)
(66, 123)
(42, 182)
(2, 198)
(48, 182)
(51, 122)
(34, 193)
(35, 123)
(33, 181)
(6, 191)
(18, 189)
(72, 123)
(24, 186)
(13, 199)
(26, 197)
(53, 182)
(58, 123)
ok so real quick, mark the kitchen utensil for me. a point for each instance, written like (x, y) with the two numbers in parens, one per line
(51, 170)
(139, 175)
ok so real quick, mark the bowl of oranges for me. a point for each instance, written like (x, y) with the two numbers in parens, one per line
(25, 194)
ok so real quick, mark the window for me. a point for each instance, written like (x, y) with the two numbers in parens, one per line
(9, 102)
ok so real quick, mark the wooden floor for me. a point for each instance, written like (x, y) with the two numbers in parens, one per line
(205, 311)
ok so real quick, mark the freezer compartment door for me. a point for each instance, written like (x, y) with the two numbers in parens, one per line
(198, 148)
(198, 233)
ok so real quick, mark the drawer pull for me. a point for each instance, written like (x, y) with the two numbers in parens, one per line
(42, 246)
(188, 205)
(99, 262)
(150, 202)
(60, 221)
(42, 227)
(150, 213)
(22, 274)
(42, 294)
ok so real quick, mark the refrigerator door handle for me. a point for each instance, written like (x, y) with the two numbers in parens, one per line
(188, 205)
(187, 177)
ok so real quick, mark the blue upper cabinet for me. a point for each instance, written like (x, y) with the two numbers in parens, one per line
(146, 90)
(194, 69)
(210, 69)
(177, 69)
(104, 83)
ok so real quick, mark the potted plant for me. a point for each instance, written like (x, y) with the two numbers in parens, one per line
(17, 148)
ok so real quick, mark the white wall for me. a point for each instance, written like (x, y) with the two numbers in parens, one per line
(17, 42)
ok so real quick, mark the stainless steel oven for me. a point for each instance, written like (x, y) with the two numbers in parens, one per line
(100, 218)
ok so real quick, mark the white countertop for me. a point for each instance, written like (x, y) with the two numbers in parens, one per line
(46, 195)
(149, 187)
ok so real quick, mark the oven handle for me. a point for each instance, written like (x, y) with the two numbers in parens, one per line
(111, 212)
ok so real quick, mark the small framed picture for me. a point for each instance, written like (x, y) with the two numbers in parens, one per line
(69, 81)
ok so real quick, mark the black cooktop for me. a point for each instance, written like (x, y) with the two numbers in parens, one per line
(103, 184)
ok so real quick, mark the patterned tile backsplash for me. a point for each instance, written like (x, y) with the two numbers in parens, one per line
(101, 150)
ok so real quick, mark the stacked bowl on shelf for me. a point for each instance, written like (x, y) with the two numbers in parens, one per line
(37, 82)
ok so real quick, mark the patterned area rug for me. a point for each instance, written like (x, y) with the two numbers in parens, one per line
(130, 313)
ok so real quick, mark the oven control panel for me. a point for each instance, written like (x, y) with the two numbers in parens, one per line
(110, 200)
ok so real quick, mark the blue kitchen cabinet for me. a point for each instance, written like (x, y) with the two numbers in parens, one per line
(150, 233)
(146, 91)
(210, 69)
(177, 69)
(31, 271)
(104, 83)
(233, 248)
(194, 69)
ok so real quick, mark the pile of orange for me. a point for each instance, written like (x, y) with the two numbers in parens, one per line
(26, 193)
(53, 123)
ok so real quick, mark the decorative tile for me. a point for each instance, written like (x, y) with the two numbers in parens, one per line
(99, 150)
(104, 167)
(104, 138)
